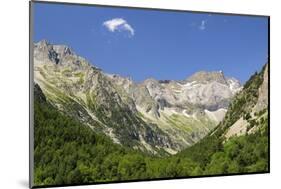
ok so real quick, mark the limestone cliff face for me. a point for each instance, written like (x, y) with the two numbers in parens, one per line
(263, 92)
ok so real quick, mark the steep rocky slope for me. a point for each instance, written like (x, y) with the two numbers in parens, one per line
(155, 116)
(248, 109)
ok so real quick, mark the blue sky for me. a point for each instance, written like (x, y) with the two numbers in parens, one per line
(149, 43)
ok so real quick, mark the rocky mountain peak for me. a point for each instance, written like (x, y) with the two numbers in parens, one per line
(63, 50)
(150, 80)
(204, 76)
(44, 51)
(61, 55)
(41, 44)
(59, 51)
(153, 86)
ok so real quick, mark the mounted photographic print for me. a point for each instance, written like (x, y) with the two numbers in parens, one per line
(121, 94)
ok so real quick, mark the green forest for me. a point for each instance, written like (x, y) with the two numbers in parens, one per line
(68, 152)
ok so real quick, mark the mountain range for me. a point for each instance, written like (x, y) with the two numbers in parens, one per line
(155, 116)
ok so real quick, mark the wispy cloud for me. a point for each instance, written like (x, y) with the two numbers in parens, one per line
(202, 25)
(119, 24)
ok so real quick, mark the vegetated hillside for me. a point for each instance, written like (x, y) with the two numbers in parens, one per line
(159, 117)
(68, 152)
(249, 107)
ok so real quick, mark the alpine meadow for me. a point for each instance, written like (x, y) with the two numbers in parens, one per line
(132, 101)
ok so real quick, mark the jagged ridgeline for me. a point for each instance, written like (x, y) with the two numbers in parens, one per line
(156, 117)
(68, 151)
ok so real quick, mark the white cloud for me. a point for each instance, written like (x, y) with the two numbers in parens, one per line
(202, 25)
(119, 24)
